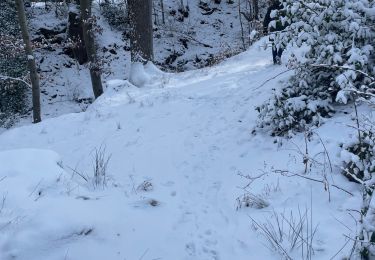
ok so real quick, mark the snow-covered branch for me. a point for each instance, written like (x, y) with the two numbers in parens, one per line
(344, 68)
(2, 77)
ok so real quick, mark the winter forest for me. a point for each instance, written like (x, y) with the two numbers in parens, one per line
(187, 129)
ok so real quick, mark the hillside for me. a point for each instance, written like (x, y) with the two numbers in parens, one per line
(180, 44)
(179, 151)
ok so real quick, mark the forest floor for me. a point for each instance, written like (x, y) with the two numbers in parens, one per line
(180, 155)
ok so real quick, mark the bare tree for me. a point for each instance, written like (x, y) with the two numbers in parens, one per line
(34, 77)
(141, 39)
(88, 36)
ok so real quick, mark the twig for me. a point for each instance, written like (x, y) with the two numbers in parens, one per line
(333, 257)
(289, 174)
(274, 77)
(78, 173)
(271, 238)
(342, 223)
(352, 175)
(326, 152)
(36, 187)
(250, 178)
(3, 203)
(143, 254)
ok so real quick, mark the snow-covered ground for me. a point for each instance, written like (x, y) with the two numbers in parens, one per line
(65, 84)
(176, 150)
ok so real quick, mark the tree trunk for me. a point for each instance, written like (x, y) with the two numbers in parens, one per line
(88, 36)
(242, 30)
(162, 10)
(75, 34)
(34, 77)
(141, 39)
(256, 9)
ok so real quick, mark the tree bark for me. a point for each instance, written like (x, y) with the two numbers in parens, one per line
(141, 34)
(162, 10)
(77, 50)
(256, 9)
(88, 36)
(34, 77)
(242, 30)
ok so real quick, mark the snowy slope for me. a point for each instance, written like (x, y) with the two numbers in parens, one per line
(189, 136)
(196, 41)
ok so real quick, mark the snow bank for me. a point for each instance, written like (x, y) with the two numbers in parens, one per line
(138, 75)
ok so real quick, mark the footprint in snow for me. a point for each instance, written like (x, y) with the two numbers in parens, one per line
(190, 249)
(209, 245)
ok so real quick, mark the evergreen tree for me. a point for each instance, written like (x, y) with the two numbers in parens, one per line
(340, 61)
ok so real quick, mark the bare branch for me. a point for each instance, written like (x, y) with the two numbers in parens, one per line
(274, 77)
(16, 79)
(289, 174)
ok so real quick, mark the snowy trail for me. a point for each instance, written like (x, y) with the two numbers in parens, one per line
(189, 135)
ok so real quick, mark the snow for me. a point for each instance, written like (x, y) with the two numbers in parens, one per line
(38, 4)
(65, 85)
(189, 136)
(138, 76)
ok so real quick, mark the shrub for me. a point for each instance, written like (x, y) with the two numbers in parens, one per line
(295, 107)
(13, 94)
(341, 58)
(115, 13)
(359, 158)
(100, 165)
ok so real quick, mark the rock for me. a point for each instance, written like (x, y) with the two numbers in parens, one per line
(55, 35)
(184, 42)
(113, 51)
(50, 33)
(172, 57)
